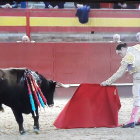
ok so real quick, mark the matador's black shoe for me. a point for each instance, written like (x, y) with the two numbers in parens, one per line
(131, 125)
(137, 123)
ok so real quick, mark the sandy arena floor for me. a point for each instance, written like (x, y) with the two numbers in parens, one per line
(9, 128)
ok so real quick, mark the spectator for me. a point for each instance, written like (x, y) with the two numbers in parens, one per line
(139, 6)
(124, 5)
(138, 36)
(26, 39)
(83, 13)
(8, 4)
(116, 38)
(75, 4)
(55, 5)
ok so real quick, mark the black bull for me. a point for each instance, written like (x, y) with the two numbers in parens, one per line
(14, 93)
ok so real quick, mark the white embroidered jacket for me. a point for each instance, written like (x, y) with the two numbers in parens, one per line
(130, 62)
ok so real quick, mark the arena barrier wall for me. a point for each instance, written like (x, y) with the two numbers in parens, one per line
(64, 20)
(70, 63)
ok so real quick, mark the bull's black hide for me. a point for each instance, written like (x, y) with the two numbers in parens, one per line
(14, 93)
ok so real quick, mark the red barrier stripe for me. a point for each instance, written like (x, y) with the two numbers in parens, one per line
(12, 29)
(116, 14)
(53, 14)
(69, 13)
(85, 29)
(12, 12)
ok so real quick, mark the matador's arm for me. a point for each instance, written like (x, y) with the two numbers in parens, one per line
(119, 73)
(122, 69)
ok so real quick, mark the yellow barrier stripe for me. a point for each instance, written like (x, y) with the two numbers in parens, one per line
(12, 21)
(55, 21)
(93, 22)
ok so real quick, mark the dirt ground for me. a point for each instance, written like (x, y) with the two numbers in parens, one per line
(9, 128)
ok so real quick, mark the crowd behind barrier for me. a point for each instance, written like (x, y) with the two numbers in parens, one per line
(60, 5)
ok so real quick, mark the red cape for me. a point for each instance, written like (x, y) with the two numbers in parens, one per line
(92, 105)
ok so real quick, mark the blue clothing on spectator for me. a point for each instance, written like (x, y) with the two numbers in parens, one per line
(83, 13)
(23, 4)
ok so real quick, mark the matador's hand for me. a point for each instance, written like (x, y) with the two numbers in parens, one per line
(104, 83)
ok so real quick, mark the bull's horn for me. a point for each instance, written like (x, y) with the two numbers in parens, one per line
(62, 85)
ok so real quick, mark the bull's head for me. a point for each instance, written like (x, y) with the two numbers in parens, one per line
(48, 89)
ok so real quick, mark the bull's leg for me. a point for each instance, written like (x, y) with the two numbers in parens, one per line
(1, 108)
(36, 122)
(19, 119)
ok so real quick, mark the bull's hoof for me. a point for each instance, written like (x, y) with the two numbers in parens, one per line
(36, 129)
(22, 132)
(1, 109)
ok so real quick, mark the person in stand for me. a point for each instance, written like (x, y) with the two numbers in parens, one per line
(124, 5)
(130, 62)
(138, 36)
(8, 4)
(25, 39)
(116, 38)
(55, 5)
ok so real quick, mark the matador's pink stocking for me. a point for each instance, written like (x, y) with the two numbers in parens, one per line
(134, 114)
